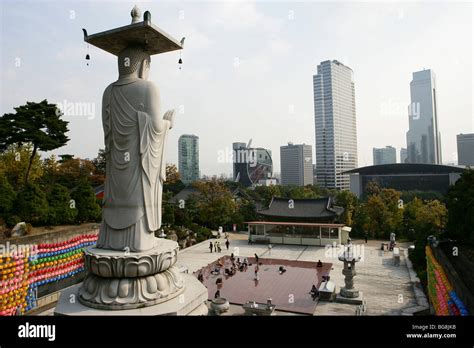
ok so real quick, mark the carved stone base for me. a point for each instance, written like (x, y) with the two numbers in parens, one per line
(349, 293)
(351, 300)
(118, 280)
(192, 301)
(122, 264)
(127, 293)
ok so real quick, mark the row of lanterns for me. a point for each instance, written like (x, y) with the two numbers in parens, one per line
(440, 291)
(23, 271)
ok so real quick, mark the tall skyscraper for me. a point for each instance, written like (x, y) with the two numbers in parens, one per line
(296, 165)
(403, 155)
(335, 123)
(465, 149)
(188, 158)
(423, 136)
(385, 155)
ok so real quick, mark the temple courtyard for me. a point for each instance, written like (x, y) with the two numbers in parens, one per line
(388, 289)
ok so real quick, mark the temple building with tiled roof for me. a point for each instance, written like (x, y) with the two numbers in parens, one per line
(301, 210)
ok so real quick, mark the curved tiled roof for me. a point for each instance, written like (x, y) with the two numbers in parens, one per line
(302, 208)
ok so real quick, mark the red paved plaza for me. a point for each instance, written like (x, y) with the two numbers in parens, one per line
(289, 291)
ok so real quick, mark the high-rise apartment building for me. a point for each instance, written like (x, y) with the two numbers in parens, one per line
(188, 158)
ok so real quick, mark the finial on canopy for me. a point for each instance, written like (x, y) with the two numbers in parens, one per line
(136, 14)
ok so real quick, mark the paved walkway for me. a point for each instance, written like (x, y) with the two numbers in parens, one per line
(387, 288)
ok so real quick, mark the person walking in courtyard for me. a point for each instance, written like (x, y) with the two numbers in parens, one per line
(227, 243)
(210, 246)
(366, 236)
(219, 246)
(256, 258)
(215, 246)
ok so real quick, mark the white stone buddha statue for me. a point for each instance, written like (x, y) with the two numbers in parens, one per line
(135, 137)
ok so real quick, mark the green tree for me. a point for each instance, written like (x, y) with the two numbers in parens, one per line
(410, 213)
(372, 188)
(31, 204)
(460, 203)
(7, 197)
(429, 219)
(37, 123)
(85, 203)
(266, 193)
(384, 213)
(50, 171)
(377, 214)
(61, 209)
(216, 203)
(348, 201)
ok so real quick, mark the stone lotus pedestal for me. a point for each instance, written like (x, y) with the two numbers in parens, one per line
(118, 280)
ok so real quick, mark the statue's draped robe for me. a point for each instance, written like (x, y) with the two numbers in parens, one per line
(135, 171)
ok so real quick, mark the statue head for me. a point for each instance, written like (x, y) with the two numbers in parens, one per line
(135, 61)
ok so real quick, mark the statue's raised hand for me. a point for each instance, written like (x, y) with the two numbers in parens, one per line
(169, 116)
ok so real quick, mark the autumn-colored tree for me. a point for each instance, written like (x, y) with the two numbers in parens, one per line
(172, 173)
(372, 188)
(173, 181)
(100, 163)
(14, 162)
(72, 172)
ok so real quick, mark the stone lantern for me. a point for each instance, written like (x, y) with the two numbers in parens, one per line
(349, 294)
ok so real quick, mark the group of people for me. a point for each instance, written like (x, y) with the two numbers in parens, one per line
(216, 246)
(237, 264)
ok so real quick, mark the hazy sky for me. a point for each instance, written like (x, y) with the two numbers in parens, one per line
(248, 68)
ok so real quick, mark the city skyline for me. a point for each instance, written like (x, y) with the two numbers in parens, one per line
(255, 62)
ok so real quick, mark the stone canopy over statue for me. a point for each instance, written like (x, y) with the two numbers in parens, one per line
(130, 268)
